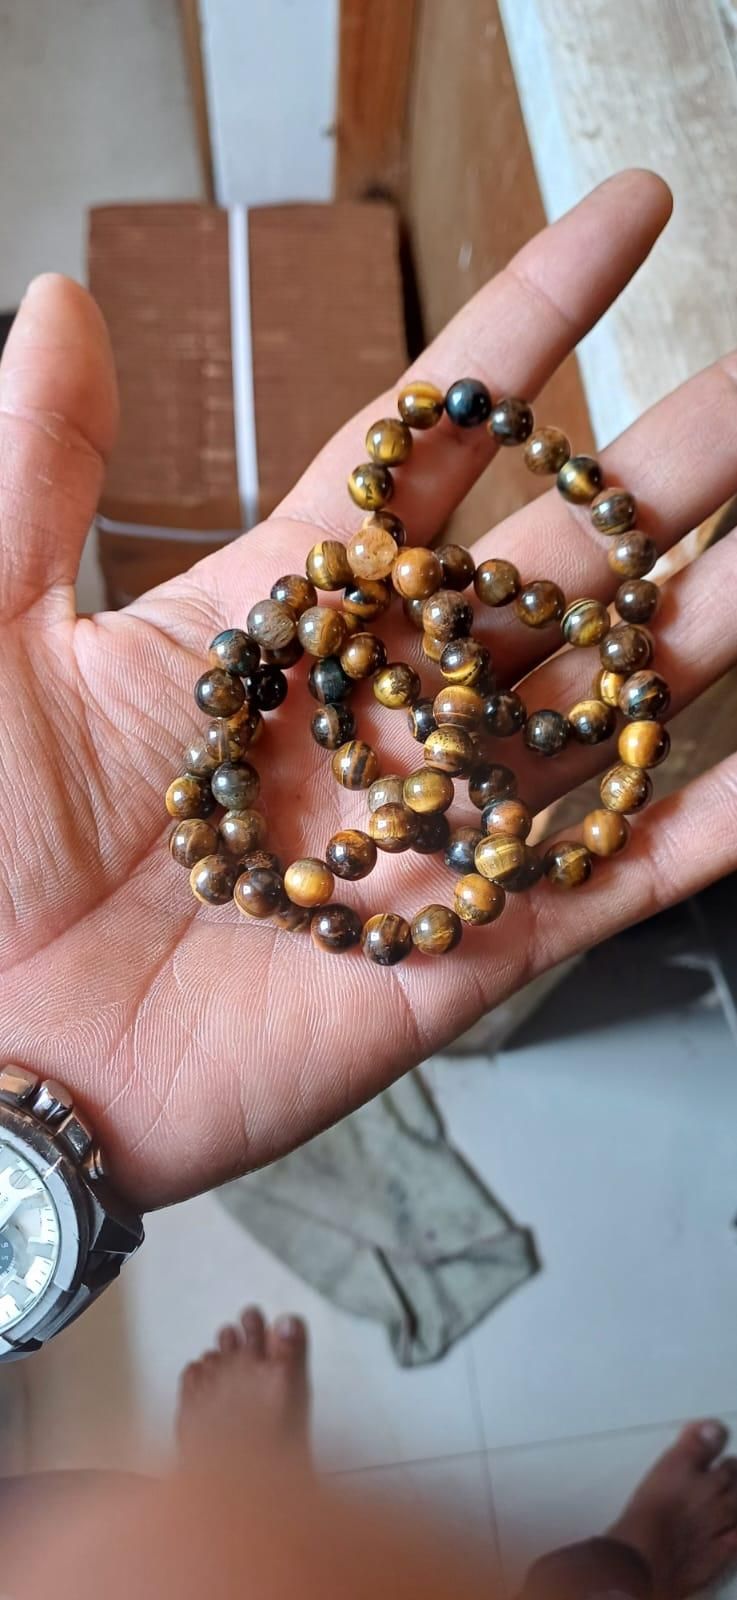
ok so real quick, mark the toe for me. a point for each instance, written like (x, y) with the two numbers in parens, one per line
(701, 1442)
(229, 1340)
(288, 1340)
(254, 1331)
(190, 1379)
(725, 1475)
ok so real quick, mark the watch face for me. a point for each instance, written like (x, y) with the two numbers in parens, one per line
(30, 1237)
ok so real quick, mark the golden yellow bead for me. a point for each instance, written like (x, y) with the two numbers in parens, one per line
(309, 882)
(625, 788)
(579, 479)
(608, 686)
(393, 828)
(605, 832)
(420, 404)
(321, 631)
(327, 565)
(643, 744)
(499, 857)
(567, 864)
(428, 791)
(436, 930)
(417, 573)
(460, 704)
(355, 765)
(396, 686)
(389, 441)
(477, 900)
(370, 485)
(450, 749)
(372, 552)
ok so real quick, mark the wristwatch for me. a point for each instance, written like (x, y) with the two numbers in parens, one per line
(64, 1233)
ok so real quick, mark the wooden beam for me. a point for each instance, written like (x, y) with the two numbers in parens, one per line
(376, 38)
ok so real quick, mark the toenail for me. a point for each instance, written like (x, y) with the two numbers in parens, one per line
(289, 1328)
(712, 1433)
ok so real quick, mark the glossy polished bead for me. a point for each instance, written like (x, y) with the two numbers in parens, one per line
(367, 599)
(352, 624)
(362, 655)
(388, 441)
(265, 860)
(413, 610)
(241, 832)
(417, 573)
(466, 661)
(497, 582)
(643, 744)
(219, 693)
(420, 405)
(188, 796)
(191, 839)
(309, 882)
(295, 592)
(200, 760)
(235, 652)
(259, 892)
(508, 816)
(436, 930)
(489, 781)
(212, 880)
(235, 785)
(269, 688)
(511, 421)
(547, 451)
(389, 522)
(370, 486)
(567, 864)
(547, 732)
(585, 622)
(284, 658)
(396, 686)
(421, 719)
(539, 603)
(432, 648)
(634, 555)
(458, 566)
(332, 726)
(229, 738)
(468, 403)
(386, 938)
(386, 791)
(327, 681)
(592, 721)
(321, 631)
(461, 849)
(335, 928)
(450, 749)
(526, 875)
(447, 615)
(293, 919)
(428, 790)
(625, 789)
(433, 833)
(579, 479)
(605, 833)
(271, 624)
(644, 696)
(613, 511)
(607, 686)
(327, 565)
(372, 552)
(393, 828)
(351, 854)
(625, 649)
(355, 765)
(459, 704)
(499, 856)
(637, 600)
(477, 900)
(504, 714)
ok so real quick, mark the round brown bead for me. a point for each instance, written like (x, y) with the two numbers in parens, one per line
(191, 839)
(466, 661)
(355, 765)
(592, 721)
(327, 681)
(388, 442)
(389, 522)
(229, 739)
(605, 832)
(321, 631)
(417, 573)
(235, 652)
(309, 882)
(458, 566)
(188, 796)
(633, 555)
(504, 714)
(644, 696)
(585, 622)
(637, 600)
(613, 512)
(420, 405)
(433, 833)
(327, 565)
(625, 649)
(461, 849)
(567, 865)
(579, 479)
(219, 692)
(200, 760)
(363, 655)
(511, 421)
(212, 880)
(393, 827)
(295, 592)
(352, 623)
(293, 919)
(272, 625)
(607, 686)
(547, 450)
(460, 705)
(370, 485)
(421, 719)
(526, 875)
(259, 892)
(372, 551)
(539, 603)
(332, 726)
(287, 657)
(477, 900)
(366, 599)
(499, 856)
(236, 785)
(241, 832)
(388, 791)
(335, 928)
(497, 582)
(447, 615)
(436, 930)
(265, 860)
(489, 781)
(428, 790)
(351, 854)
(386, 938)
(508, 816)
(450, 749)
(413, 610)
(547, 732)
(397, 686)
(433, 648)
(625, 789)
(643, 744)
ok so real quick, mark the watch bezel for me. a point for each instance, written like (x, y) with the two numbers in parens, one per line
(37, 1145)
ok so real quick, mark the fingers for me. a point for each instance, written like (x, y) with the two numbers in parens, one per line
(513, 334)
(58, 414)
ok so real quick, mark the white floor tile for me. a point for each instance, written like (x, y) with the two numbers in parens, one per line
(453, 1494)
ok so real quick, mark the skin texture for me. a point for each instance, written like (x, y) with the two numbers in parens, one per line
(201, 1043)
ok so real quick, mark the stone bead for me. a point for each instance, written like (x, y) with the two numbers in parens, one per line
(547, 451)
(235, 652)
(328, 682)
(460, 705)
(567, 864)
(362, 655)
(436, 930)
(614, 511)
(468, 402)
(489, 781)
(388, 442)
(188, 796)
(526, 875)
(327, 565)
(625, 789)
(458, 566)
(293, 919)
(634, 555)
(366, 599)
(417, 573)
(508, 816)
(397, 686)
(219, 693)
(504, 714)
(355, 765)
(605, 833)
(200, 760)
(335, 928)
(421, 719)
(259, 892)
(540, 603)
(498, 856)
(372, 552)
(393, 828)
(390, 524)
(352, 624)
(579, 479)
(644, 696)
(592, 721)
(386, 791)
(241, 832)
(625, 649)
(269, 688)
(511, 421)
(461, 849)
(428, 790)
(447, 615)
(191, 839)
(212, 880)
(351, 854)
(466, 661)
(643, 744)
(607, 686)
(432, 648)
(370, 486)
(235, 785)
(295, 592)
(450, 749)
(321, 631)
(420, 405)
(497, 582)
(547, 732)
(585, 622)
(386, 938)
(271, 624)
(637, 600)
(477, 900)
(433, 833)
(413, 610)
(284, 658)
(230, 738)
(309, 882)
(332, 726)
(265, 860)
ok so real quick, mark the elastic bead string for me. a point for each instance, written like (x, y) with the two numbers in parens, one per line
(220, 837)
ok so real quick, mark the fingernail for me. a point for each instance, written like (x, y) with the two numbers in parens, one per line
(289, 1328)
(712, 1433)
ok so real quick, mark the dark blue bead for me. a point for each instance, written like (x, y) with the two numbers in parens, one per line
(468, 403)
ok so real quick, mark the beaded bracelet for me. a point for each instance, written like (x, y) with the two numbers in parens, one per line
(227, 858)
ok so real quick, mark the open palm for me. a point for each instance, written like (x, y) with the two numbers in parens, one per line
(202, 1044)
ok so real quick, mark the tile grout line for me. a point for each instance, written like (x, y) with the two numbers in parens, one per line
(473, 1379)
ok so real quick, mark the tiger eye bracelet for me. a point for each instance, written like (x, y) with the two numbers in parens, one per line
(220, 836)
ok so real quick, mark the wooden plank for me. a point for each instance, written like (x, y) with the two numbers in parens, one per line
(189, 11)
(376, 38)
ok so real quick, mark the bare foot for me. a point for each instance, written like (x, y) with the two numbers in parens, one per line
(683, 1516)
(249, 1396)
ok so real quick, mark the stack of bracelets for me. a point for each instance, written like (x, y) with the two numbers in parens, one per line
(226, 858)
